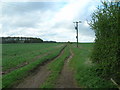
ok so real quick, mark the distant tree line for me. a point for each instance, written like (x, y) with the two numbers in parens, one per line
(49, 41)
(106, 53)
(21, 40)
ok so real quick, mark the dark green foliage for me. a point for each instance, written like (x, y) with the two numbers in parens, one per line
(106, 54)
(21, 40)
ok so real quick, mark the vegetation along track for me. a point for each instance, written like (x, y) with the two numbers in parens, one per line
(37, 78)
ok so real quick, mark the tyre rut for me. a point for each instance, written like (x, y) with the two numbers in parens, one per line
(66, 79)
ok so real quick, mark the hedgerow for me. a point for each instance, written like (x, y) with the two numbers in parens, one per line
(106, 54)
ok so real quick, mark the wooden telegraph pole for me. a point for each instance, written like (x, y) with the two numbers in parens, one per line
(76, 27)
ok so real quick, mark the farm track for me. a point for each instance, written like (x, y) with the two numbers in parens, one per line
(26, 63)
(38, 76)
(66, 79)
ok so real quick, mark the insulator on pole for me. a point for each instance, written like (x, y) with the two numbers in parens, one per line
(76, 27)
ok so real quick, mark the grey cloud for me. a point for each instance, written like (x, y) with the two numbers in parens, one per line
(28, 20)
(27, 14)
(65, 24)
(86, 30)
(12, 8)
(19, 21)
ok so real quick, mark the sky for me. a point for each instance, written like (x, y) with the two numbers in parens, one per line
(50, 20)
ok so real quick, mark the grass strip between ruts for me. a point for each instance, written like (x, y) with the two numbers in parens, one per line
(55, 67)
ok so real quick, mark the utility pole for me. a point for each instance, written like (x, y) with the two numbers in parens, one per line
(76, 27)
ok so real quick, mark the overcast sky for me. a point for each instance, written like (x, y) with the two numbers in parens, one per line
(48, 20)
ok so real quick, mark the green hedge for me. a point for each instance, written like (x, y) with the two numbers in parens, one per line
(106, 54)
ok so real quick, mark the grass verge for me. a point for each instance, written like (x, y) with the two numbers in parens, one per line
(55, 67)
(85, 73)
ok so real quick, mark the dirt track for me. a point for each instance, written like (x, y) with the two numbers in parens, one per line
(66, 79)
(36, 79)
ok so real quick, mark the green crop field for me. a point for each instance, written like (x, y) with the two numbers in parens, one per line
(15, 55)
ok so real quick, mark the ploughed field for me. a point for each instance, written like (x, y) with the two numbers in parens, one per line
(49, 65)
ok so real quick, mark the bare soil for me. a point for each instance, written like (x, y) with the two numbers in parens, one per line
(66, 79)
(38, 77)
